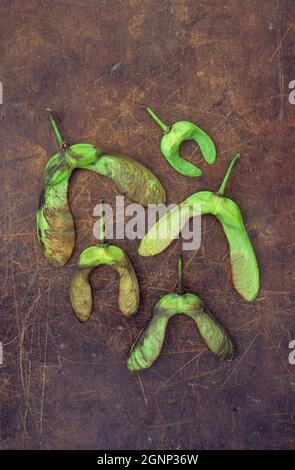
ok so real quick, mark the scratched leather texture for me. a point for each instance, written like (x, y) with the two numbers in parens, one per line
(226, 66)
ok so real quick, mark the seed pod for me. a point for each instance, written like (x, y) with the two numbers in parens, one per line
(148, 344)
(178, 133)
(104, 255)
(55, 225)
(130, 177)
(245, 273)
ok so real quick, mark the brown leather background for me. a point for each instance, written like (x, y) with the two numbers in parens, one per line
(225, 65)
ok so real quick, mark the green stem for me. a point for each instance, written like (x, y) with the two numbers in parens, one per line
(61, 143)
(180, 276)
(163, 126)
(227, 174)
(101, 221)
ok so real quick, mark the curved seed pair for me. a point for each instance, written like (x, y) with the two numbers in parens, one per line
(178, 133)
(104, 255)
(245, 273)
(55, 225)
(148, 345)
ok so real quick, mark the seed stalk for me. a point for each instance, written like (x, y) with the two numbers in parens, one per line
(227, 174)
(156, 118)
(61, 143)
(180, 276)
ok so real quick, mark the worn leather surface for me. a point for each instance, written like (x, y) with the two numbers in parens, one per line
(225, 66)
